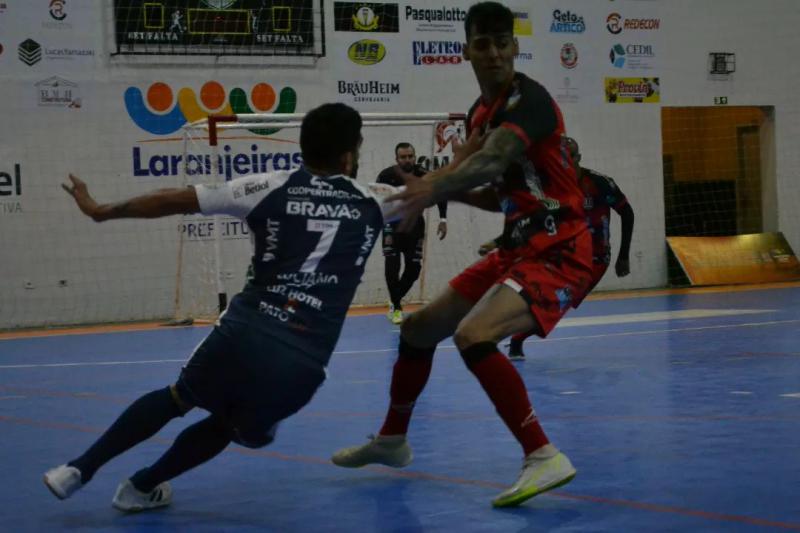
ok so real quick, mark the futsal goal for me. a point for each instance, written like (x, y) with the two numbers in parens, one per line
(214, 252)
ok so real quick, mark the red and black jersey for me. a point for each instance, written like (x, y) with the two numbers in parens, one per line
(601, 195)
(541, 187)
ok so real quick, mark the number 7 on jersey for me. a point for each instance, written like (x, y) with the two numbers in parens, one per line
(328, 228)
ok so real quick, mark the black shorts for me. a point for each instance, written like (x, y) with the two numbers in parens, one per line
(410, 244)
(249, 379)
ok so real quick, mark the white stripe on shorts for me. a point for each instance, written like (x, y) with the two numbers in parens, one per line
(513, 284)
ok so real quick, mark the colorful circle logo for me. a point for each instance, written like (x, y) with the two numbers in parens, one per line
(161, 112)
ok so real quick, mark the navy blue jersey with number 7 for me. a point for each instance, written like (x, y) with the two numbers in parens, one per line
(311, 238)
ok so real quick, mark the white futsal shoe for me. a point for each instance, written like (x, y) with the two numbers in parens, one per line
(63, 481)
(392, 450)
(539, 474)
(131, 500)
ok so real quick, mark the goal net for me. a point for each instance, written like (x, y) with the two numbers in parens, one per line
(214, 252)
(719, 174)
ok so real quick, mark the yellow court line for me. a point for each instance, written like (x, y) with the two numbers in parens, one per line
(380, 309)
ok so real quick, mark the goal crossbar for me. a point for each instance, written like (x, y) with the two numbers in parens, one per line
(290, 117)
(214, 123)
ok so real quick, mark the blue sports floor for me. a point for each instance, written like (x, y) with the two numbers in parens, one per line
(681, 413)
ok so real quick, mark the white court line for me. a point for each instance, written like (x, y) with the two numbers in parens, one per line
(96, 363)
(791, 395)
(442, 347)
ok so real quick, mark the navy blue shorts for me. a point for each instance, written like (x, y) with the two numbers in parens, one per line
(250, 379)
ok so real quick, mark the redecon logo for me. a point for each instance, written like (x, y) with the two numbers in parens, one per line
(366, 52)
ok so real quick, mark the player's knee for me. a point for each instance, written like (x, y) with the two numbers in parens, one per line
(409, 326)
(475, 353)
(407, 350)
(466, 335)
(181, 402)
(253, 441)
(253, 437)
(413, 328)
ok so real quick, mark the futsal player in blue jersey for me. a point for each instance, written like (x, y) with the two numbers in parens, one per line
(312, 230)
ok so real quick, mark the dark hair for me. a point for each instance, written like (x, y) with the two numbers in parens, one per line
(328, 132)
(403, 145)
(489, 17)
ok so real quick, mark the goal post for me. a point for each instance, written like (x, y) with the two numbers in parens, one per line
(214, 260)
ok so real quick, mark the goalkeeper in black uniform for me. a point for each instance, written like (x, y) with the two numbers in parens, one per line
(408, 244)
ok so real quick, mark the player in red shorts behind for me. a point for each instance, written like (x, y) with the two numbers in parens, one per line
(515, 160)
(601, 195)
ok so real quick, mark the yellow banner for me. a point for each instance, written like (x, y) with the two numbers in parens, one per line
(756, 258)
(633, 90)
(523, 26)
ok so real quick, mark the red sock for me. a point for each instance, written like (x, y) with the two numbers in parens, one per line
(505, 388)
(411, 372)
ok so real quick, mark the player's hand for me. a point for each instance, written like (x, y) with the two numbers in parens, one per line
(461, 151)
(487, 247)
(411, 202)
(80, 193)
(441, 231)
(622, 266)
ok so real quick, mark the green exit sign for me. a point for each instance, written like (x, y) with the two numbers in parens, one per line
(720, 100)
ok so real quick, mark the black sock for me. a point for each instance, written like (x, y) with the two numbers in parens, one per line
(140, 421)
(194, 446)
(411, 272)
(392, 273)
(516, 346)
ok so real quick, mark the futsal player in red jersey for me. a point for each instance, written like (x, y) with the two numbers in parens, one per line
(515, 161)
(601, 195)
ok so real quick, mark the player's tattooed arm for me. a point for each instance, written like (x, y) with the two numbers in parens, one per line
(499, 150)
(480, 197)
(160, 203)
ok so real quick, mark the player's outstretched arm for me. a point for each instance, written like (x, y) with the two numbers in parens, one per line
(160, 203)
(481, 197)
(623, 264)
(499, 150)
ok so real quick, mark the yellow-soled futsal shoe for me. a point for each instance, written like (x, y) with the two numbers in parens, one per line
(537, 476)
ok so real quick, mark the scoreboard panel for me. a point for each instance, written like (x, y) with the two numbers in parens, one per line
(216, 27)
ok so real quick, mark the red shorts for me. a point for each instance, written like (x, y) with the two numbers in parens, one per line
(551, 282)
(598, 270)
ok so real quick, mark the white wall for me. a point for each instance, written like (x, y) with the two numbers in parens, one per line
(126, 270)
